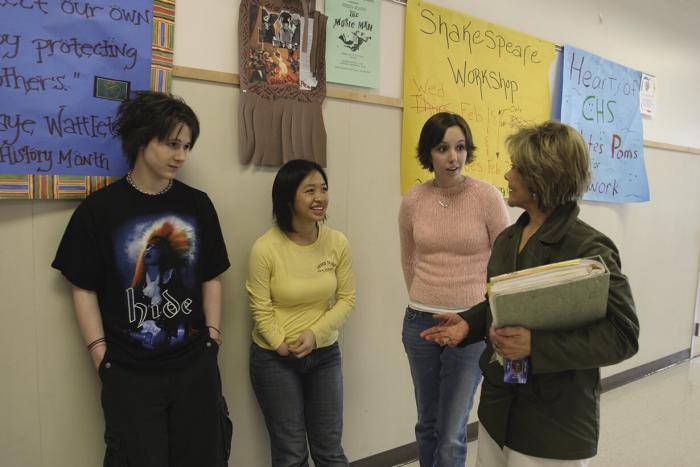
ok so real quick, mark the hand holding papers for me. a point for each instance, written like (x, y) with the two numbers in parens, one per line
(556, 296)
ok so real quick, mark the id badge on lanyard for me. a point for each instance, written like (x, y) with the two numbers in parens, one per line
(515, 371)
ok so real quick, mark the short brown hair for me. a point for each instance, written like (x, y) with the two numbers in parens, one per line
(434, 130)
(553, 160)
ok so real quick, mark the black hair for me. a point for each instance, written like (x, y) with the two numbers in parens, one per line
(284, 189)
(434, 130)
(149, 114)
(285, 17)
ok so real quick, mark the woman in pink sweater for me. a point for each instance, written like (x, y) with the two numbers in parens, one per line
(447, 227)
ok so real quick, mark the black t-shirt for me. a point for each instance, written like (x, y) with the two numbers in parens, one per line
(146, 257)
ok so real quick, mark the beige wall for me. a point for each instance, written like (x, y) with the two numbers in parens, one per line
(49, 396)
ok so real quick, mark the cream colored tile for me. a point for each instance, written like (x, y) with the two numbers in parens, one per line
(19, 391)
(653, 421)
(69, 388)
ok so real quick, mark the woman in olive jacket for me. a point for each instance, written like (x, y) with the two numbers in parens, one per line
(555, 414)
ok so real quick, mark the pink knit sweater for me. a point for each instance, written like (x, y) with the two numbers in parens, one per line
(445, 250)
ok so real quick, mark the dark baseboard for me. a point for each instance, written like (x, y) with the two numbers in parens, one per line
(409, 452)
(396, 456)
(633, 374)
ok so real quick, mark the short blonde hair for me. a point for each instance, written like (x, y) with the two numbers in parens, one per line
(553, 160)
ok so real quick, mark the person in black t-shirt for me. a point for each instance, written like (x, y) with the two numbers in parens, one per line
(144, 256)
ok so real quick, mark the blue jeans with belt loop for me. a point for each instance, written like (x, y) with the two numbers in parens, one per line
(444, 380)
(301, 399)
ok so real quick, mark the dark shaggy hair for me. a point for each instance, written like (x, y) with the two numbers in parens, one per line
(434, 130)
(147, 115)
(284, 189)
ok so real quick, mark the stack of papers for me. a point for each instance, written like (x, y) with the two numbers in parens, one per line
(555, 296)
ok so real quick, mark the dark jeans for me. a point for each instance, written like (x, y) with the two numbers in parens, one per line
(444, 380)
(165, 418)
(301, 399)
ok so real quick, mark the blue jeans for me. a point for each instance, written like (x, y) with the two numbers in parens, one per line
(300, 399)
(444, 381)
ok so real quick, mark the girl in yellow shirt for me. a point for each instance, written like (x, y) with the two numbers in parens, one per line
(301, 289)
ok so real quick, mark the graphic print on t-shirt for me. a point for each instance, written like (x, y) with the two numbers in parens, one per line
(156, 258)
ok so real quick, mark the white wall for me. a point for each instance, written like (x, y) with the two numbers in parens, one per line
(49, 396)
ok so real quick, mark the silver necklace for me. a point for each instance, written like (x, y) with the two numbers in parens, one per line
(149, 193)
(446, 204)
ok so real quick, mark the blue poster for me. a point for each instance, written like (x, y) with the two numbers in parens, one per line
(64, 68)
(601, 100)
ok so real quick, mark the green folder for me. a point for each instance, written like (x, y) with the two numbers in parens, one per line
(570, 304)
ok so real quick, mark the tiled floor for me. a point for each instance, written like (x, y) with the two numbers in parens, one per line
(652, 422)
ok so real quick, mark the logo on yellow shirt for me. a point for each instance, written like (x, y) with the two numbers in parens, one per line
(325, 266)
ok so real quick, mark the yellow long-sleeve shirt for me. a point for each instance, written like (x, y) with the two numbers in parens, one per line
(292, 287)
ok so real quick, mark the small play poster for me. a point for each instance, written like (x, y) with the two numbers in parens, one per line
(352, 42)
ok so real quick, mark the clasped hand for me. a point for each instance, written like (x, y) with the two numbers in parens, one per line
(305, 343)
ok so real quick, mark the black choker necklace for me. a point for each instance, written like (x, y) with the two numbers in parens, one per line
(149, 193)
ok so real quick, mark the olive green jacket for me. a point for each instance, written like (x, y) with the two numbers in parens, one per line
(556, 413)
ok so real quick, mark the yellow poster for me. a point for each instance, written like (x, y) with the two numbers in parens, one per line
(494, 77)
